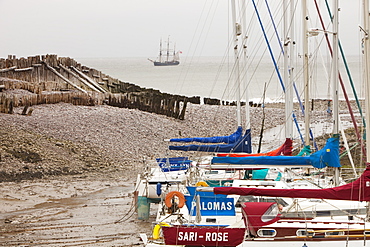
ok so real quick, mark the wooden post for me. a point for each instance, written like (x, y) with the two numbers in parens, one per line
(24, 112)
(79, 78)
(63, 78)
(182, 114)
(89, 80)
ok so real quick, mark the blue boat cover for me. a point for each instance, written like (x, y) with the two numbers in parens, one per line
(193, 192)
(242, 145)
(328, 156)
(173, 164)
(214, 139)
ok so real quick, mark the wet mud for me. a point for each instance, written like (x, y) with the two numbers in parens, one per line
(72, 212)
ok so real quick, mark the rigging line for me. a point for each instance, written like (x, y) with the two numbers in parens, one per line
(260, 60)
(283, 53)
(211, 20)
(274, 25)
(267, 29)
(344, 211)
(313, 65)
(347, 69)
(204, 42)
(241, 52)
(279, 76)
(359, 139)
(275, 29)
(196, 45)
(233, 68)
(261, 102)
(254, 73)
(255, 70)
(258, 43)
(230, 75)
(240, 10)
(250, 60)
(220, 68)
(218, 73)
(299, 130)
(229, 82)
(304, 178)
(223, 96)
(302, 109)
(299, 98)
(303, 112)
(129, 213)
(255, 49)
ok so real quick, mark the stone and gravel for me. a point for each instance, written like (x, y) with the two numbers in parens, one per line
(65, 139)
(61, 139)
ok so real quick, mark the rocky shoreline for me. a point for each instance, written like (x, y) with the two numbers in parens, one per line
(63, 139)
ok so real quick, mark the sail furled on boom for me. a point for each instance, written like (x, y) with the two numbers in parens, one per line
(285, 149)
(327, 156)
(359, 190)
(242, 145)
(234, 137)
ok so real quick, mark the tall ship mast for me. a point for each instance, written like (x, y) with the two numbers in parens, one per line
(167, 57)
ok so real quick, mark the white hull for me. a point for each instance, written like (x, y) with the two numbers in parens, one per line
(269, 243)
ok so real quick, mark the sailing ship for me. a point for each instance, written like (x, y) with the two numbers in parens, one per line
(167, 57)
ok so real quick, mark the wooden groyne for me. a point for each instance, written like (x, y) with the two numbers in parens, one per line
(50, 79)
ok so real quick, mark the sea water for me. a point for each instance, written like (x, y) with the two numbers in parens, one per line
(213, 77)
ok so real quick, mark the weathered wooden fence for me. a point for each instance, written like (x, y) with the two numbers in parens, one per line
(168, 106)
(8, 101)
(51, 79)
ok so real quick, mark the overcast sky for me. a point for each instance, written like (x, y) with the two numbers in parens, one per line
(128, 28)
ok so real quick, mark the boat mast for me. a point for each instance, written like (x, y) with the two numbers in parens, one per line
(168, 48)
(335, 84)
(174, 52)
(367, 82)
(244, 44)
(287, 76)
(367, 72)
(160, 51)
(305, 73)
(236, 33)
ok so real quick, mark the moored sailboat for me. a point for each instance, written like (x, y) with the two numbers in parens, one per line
(274, 224)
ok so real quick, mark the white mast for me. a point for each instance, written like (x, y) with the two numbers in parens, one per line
(335, 80)
(292, 51)
(244, 44)
(236, 33)
(305, 73)
(287, 80)
(367, 73)
(367, 81)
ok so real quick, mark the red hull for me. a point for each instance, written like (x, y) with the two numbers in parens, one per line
(203, 236)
